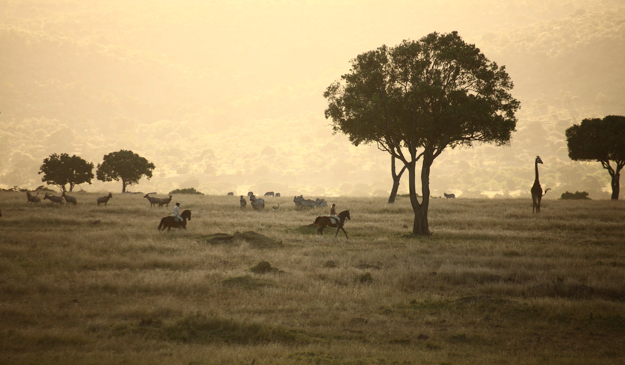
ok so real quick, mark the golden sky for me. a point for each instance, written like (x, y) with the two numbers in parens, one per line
(227, 95)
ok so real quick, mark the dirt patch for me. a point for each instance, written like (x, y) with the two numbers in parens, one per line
(255, 240)
(264, 267)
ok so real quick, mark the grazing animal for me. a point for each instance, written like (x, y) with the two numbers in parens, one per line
(242, 202)
(54, 198)
(321, 203)
(170, 222)
(153, 201)
(257, 203)
(269, 193)
(277, 195)
(230, 194)
(33, 199)
(537, 191)
(324, 221)
(450, 196)
(165, 201)
(301, 202)
(104, 199)
(249, 193)
(69, 199)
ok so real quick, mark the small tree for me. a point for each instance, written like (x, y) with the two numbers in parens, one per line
(62, 170)
(601, 140)
(126, 166)
(419, 98)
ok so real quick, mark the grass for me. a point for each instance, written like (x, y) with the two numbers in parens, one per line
(493, 283)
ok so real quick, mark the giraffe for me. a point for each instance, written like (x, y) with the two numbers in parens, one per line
(537, 191)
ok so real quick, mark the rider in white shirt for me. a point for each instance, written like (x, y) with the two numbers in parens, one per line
(176, 213)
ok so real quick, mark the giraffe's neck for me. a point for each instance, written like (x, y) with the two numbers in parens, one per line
(536, 168)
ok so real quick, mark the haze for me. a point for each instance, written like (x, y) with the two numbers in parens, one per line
(227, 95)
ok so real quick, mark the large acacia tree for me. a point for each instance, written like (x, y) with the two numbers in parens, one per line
(601, 140)
(126, 166)
(64, 169)
(419, 98)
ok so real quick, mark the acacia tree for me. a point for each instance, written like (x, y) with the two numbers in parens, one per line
(419, 98)
(126, 166)
(601, 140)
(62, 170)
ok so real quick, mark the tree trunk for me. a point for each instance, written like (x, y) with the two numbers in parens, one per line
(420, 225)
(396, 179)
(616, 186)
(123, 186)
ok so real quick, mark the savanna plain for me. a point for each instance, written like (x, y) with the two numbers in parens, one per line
(494, 283)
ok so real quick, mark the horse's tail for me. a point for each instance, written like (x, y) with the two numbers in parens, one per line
(162, 224)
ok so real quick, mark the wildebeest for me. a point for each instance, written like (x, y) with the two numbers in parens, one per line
(54, 198)
(324, 221)
(104, 199)
(33, 199)
(69, 199)
(165, 201)
(269, 193)
(449, 196)
(153, 201)
(277, 195)
(170, 222)
(230, 194)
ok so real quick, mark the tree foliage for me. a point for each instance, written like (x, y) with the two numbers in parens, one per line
(601, 140)
(419, 98)
(62, 170)
(126, 166)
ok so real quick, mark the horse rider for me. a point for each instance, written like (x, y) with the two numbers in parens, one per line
(333, 213)
(243, 202)
(176, 213)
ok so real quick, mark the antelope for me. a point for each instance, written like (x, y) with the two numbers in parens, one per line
(104, 199)
(54, 198)
(69, 199)
(33, 199)
(153, 201)
(165, 201)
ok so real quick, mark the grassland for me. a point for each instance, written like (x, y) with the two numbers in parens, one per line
(493, 284)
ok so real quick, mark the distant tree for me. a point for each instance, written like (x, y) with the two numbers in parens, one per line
(62, 170)
(419, 98)
(186, 191)
(600, 140)
(126, 166)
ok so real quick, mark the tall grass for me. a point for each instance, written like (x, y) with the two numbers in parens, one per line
(494, 283)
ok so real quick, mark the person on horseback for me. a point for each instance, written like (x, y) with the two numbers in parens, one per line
(333, 215)
(176, 213)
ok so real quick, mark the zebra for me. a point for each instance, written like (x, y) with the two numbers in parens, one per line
(269, 193)
(449, 196)
(301, 202)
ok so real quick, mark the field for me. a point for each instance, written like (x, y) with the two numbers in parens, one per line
(493, 284)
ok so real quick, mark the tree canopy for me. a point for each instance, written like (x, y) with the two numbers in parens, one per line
(62, 170)
(419, 98)
(126, 166)
(601, 140)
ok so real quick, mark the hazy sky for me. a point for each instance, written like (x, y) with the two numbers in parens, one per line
(227, 95)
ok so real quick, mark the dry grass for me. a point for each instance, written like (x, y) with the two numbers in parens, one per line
(493, 284)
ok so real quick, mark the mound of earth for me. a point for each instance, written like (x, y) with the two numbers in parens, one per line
(264, 267)
(255, 240)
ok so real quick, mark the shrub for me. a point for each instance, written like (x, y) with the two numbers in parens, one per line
(578, 195)
(185, 191)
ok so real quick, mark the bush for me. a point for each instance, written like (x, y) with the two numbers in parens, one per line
(185, 191)
(579, 195)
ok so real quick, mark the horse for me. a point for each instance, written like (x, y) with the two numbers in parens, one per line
(324, 221)
(170, 222)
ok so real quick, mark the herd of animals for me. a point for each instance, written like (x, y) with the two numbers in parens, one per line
(259, 203)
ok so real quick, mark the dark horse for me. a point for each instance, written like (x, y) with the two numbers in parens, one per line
(169, 222)
(324, 221)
